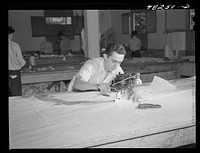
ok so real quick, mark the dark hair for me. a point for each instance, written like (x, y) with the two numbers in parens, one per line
(133, 33)
(10, 30)
(115, 47)
(60, 34)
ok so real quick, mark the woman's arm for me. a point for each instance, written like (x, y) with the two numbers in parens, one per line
(20, 58)
(84, 85)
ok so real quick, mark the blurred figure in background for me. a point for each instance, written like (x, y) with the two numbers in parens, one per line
(16, 62)
(83, 40)
(135, 45)
(46, 47)
(64, 44)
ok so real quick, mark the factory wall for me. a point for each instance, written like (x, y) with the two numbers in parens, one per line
(20, 19)
(158, 40)
(21, 22)
(112, 19)
(116, 22)
(104, 20)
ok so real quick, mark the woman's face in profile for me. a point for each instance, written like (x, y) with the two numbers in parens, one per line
(10, 36)
(111, 62)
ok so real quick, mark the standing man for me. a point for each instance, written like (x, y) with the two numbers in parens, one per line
(134, 45)
(16, 62)
(98, 73)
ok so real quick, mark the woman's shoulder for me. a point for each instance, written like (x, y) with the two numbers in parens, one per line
(14, 44)
(94, 62)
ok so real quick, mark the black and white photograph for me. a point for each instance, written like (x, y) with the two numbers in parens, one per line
(101, 78)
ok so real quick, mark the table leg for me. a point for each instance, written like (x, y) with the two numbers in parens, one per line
(178, 71)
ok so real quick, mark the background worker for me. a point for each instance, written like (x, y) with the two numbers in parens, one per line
(98, 73)
(134, 45)
(16, 62)
(64, 44)
(46, 47)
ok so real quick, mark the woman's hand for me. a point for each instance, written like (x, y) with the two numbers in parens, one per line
(136, 97)
(104, 88)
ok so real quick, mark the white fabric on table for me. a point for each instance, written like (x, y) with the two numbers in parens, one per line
(33, 124)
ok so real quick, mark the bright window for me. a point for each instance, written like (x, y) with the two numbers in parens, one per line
(59, 20)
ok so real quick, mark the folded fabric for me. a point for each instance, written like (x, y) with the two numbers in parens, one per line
(74, 98)
(159, 84)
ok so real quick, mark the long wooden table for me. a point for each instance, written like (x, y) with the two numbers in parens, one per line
(65, 72)
(59, 60)
(41, 124)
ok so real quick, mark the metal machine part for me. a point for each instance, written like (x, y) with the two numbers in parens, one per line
(124, 85)
(148, 106)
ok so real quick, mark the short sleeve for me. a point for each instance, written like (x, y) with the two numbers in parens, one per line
(19, 55)
(86, 72)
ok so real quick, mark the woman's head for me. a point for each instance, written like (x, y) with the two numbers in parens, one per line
(133, 33)
(115, 47)
(10, 32)
(60, 36)
(114, 55)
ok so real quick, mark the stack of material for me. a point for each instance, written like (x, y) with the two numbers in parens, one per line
(159, 84)
(191, 58)
(170, 75)
(146, 59)
(43, 88)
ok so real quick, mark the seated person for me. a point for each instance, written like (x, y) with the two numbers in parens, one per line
(134, 45)
(64, 44)
(46, 47)
(98, 73)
